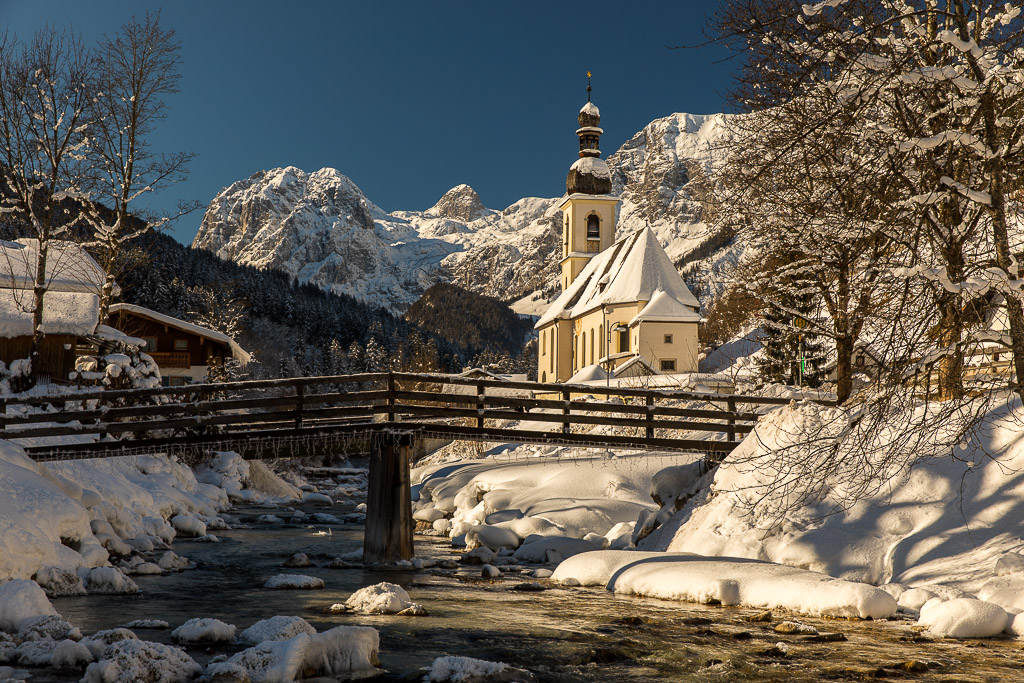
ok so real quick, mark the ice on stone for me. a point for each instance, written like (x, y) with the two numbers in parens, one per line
(275, 628)
(300, 581)
(381, 598)
(204, 630)
(137, 660)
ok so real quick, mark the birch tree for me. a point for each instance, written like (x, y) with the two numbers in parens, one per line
(44, 98)
(137, 69)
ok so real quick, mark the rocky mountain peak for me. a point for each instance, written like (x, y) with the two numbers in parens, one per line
(460, 203)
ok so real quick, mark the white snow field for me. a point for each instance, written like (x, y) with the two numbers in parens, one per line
(753, 583)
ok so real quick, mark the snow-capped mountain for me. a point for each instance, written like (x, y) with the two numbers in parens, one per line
(321, 228)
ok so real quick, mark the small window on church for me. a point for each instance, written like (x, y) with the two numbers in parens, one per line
(593, 227)
(668, 338)
(668, 365)
(623, 341)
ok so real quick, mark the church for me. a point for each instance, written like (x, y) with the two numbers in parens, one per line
(623, 305)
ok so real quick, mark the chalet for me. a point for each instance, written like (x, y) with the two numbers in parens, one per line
(70, 305)
(184, 351)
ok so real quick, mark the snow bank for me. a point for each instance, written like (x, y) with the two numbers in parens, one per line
(339, 651)
(946, 521)
(729, 581)
(963, 618)
(204, 631)
(275, 628)
(458, 669)
(382, 598)
(536, 490)
(137, 660)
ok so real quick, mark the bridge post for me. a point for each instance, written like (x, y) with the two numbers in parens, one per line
(731, 405)
(566, 397)
(391, 396)
(650, 417)
(480, 405)
(299, 399)
(388, 535)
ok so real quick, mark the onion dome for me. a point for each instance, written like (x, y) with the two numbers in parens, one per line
(589, 175)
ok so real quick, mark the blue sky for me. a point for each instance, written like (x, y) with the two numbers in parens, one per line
(408, 99)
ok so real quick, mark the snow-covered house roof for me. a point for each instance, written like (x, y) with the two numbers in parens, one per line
(68, 267)
(633, 269)
(73, 280)
(637, 366)
(73, 313)
(237, 351)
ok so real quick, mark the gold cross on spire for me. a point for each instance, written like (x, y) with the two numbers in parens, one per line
(588, 85)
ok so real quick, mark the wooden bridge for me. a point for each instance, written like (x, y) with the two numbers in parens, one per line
(382, 414)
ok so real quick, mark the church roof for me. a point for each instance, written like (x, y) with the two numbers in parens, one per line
(633, 269)
(663, 307)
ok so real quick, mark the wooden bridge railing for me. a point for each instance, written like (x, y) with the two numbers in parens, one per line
(443, 406)
(387, 411)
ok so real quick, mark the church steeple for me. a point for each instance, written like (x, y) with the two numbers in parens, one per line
(589, 175)
(589, 209)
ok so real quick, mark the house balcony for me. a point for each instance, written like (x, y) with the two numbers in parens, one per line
(171, 359)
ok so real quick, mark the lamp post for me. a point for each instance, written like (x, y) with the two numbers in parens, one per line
(620, 328)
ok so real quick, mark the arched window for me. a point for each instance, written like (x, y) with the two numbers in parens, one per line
(593, 227)
(591, 345)
(583, 349)
(543, 344)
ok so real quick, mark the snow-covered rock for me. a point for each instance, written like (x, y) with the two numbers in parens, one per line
(283, 581)
(963, 618)
(108, 580)
(338, 652)
(21, 602)
(206, 630)
(141, 662)
(458, 669)
(381, 598)
(275, 628)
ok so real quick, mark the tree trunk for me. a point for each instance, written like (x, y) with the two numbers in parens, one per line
(951, 365)
(844, 367)
(38, 291)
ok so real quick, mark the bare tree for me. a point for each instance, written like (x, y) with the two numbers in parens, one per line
(137, 68)
(44, 99)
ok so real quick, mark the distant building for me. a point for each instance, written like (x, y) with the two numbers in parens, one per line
(71, 304)
(183, 351)
(620, 299)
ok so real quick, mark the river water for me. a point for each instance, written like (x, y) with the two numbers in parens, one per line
(559, 634)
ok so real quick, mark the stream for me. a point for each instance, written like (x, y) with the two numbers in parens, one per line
(558, 634)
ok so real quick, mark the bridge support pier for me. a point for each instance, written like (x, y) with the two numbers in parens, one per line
(389, 525)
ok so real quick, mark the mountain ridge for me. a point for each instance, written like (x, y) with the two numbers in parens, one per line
(321, 228)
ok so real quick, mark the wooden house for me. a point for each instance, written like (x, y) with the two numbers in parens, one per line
(183, 351)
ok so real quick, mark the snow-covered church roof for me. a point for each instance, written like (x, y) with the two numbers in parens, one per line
(633, 269)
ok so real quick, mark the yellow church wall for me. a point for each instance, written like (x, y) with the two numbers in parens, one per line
(595, 325)
(554, 352)
(683, 349)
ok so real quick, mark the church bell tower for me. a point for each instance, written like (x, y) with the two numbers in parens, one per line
(589, 209)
